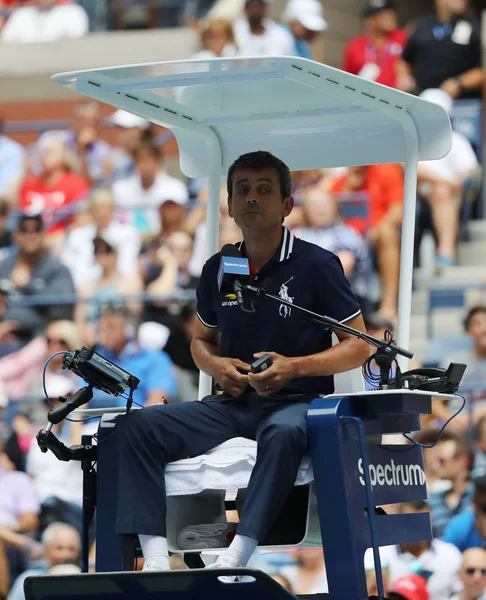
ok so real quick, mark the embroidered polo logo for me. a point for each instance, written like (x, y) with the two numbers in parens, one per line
(284, 310)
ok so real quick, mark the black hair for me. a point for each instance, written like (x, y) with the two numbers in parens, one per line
(475, 310)
(146, 146)
(262, 160)
(417, 505)
(480, 483)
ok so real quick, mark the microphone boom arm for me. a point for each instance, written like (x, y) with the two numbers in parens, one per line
(373, 341)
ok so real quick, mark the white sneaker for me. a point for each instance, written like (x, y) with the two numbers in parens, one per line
(225, 562)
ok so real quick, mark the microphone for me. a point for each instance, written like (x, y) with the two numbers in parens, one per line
(234, 272)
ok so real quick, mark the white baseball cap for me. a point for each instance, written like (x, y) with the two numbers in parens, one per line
(109, 238)
(308, 12)
(153, 336)
(174, 190)
(127, 120)
(438, 96)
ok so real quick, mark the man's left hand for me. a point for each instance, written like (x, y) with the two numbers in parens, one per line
(273, 379)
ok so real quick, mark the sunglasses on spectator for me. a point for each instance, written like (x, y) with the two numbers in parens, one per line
(472, 571)
(58, 341)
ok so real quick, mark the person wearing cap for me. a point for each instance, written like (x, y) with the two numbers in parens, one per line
(441, 184)
(138, 198)
(130, 131)
(444, 52)
(409, 587)
(436, 560)
(306, 21)
(374, 54)
(32, 271)
(109, 286)
(258, 35)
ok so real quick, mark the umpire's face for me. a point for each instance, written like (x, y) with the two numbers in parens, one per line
(256, 201)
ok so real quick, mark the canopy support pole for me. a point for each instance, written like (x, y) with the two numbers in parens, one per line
(408, 236)
(212, 228)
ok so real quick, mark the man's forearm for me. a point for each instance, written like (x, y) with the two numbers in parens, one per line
(472, 79)
(204, 354)
(348, 354)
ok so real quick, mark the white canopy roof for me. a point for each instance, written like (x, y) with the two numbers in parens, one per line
(308, 114)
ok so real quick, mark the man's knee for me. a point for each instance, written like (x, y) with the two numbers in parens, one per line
(285, 434)
(386, 234)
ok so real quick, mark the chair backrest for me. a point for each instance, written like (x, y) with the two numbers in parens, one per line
(349, 381)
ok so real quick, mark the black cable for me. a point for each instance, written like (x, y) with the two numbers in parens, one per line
(439, 435)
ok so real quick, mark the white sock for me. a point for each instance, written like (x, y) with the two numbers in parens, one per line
(239, 552)
(155, 553)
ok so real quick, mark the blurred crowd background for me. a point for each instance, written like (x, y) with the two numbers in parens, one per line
(102, 242)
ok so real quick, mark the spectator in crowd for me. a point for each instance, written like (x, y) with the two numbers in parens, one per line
(21, 371)
(138, 198)
(179, 351)
(12, 156)
(32, 271)
(77, 251)
(474, 378)
(374, 55)
(172, 272)
(305, 21)
(56, 188)
(58, 485)
(6, 238)
(4, 573)
(409, 587)
(195, 225)
(131, 131)
(381, 187)
(473, 575)
(444, 52)
(19, 507)
(308, 574)
(456, 462)
(45, 21)
(61, 545)
(217, 40)
(480, 445)
(441, 182)
(258, 35)
(468, 529)
(91, 152)
(20, 440)
(439, 559)
(325, 228)
(117, 337)
(109, 287)
(370, 573)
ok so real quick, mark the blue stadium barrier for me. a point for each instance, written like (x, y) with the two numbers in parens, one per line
(448, 295)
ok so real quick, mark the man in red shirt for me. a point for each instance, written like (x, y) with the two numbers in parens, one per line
(381, 187)
(55, 188)
(375, 54)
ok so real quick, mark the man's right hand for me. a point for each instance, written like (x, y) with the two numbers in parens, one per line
(225, 371)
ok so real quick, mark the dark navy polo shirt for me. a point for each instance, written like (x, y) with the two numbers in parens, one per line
(300, 272)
